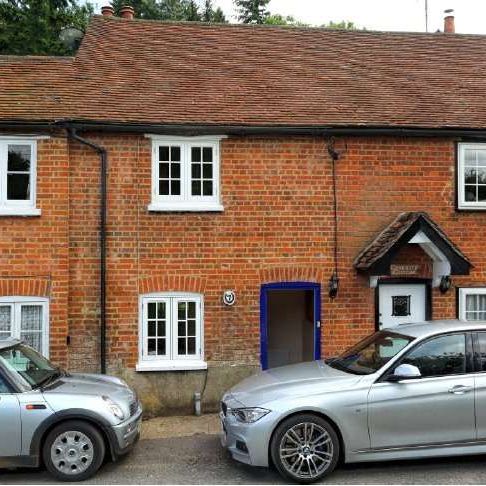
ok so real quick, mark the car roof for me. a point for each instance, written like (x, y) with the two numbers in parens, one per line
(8, 343)
(430, 328)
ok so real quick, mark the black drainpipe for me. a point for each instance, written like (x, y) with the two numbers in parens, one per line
(103, 167)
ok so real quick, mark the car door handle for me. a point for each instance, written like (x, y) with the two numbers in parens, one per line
(460, 389)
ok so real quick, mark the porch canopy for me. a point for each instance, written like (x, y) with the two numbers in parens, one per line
(412, 227)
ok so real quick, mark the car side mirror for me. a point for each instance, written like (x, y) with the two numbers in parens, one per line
(405, 372)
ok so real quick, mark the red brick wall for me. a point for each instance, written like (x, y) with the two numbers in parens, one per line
(34, 250)
(277, 226)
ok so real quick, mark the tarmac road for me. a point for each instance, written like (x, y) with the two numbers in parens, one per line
(199, 459)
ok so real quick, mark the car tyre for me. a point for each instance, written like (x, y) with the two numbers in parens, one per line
(305, 448)
(73, 451)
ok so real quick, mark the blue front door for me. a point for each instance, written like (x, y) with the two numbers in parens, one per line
(290, 321)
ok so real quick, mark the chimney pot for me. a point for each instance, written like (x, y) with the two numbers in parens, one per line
(127, 12)
(107, 11)
(449, 27)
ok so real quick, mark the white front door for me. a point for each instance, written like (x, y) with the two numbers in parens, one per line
(399, 303)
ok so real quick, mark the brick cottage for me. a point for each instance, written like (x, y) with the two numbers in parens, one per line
(183, 204)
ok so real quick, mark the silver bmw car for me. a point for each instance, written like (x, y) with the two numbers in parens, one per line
(415, 390)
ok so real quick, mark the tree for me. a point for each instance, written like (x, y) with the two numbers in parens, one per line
(277, 19)
(252, 11)
(187, 10)
(343, 25)
(33, 26)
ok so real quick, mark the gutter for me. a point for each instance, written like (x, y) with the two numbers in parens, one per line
(103, 212)
(222, 129)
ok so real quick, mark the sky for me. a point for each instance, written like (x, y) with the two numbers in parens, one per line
(397, 15)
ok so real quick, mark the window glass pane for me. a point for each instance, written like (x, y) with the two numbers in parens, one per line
(196, 154)
(164, 153)
(470, 175)
(161, 347)
(444, 355)
(18, 187)
(181, 310)
(181, 346)
(164, 171)
(470, 157)
(31, 317)
(161, 328)
(181, 328)
(175, 171)
(481, 193)
(151, 310)
(470, 193)
(482, 158)
(151, 329)
(161, 307)
(481, 175)
(207, 188)
(196, 188)
(207, 154)
(151, 347)
(175, 154)
(18, 158)
(191, 327)
(164, 188)
(191, 310)
(175, 188)
(208, 171)
(5, 319)
(196, 171)
(191, 345)
(33, 339)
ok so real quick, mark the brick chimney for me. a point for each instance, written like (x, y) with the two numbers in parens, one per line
(107, 11)
(449, 27)
(127, 12)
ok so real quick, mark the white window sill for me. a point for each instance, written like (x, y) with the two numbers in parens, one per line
(181, 365)
(472, 207)
(161, 207)
(19, 211)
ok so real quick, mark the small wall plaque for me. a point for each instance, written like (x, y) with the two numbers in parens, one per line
(229, 297)
(398, 270)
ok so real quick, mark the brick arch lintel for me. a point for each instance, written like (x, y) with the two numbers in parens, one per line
(25, 286)
(292, 273)
(172, 283)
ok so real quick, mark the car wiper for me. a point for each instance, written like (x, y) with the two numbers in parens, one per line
(49, 378)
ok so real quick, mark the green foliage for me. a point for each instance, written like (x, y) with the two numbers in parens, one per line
(343, 25)
(252, 11)
(33, 26)
(189, 10)
(277, 19)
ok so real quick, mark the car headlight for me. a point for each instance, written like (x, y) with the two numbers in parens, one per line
(249, 415)
(114, 408)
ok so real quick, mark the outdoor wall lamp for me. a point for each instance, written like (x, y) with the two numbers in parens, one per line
(445, 284)
(333, 286)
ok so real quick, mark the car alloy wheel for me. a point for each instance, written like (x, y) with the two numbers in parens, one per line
(73, 450)
(305, 448)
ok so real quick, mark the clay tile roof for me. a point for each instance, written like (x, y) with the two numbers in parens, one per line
(391, 235)
(35, 88)
(142, 71)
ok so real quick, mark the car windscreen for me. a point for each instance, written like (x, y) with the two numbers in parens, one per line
(26, 366)
(370, 354)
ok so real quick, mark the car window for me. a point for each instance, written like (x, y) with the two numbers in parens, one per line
(3, 386)
(481, 353)
(440, 356)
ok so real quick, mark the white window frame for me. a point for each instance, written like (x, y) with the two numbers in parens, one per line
(461, 190)
(15, 207)
(15, 303)
(171, 361)
(186, 201)
(463, 293)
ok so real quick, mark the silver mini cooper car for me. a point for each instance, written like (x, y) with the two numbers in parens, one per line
(412, 391)
(68, 422)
